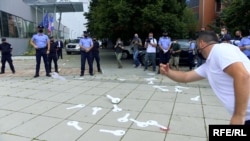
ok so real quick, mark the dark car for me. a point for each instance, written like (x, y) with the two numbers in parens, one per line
(183, 55)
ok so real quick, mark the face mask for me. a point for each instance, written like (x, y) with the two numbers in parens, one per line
(40, 31)
(174, 41)
(222, 33)
(85, 36)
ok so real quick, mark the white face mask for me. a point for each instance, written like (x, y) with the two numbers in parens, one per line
(222, 33)
(174, 41)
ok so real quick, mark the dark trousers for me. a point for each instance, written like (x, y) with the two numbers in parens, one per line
(86, 56)
(59, 53)
(247, 122)
(96, 58)
(52, 57)
(164, 57)
(41, 53)
(7, 57)
(191, 60)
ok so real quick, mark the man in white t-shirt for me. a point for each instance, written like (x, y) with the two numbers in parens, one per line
(150, 45)
(227, 70)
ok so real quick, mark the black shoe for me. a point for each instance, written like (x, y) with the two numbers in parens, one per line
(81, 74)
(48, 75)
(91, 74)
(13, 72)
(1, 72)
(35, 76)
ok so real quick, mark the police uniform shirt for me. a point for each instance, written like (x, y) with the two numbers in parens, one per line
(245, 42)
(86, 42)
(40, 40)
(165, 42)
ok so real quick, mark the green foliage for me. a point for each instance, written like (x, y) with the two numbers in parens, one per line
(30, 50)
(122, 18)
(236, 15)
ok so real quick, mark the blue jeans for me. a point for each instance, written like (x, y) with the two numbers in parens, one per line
(152, 58)
(135, 57)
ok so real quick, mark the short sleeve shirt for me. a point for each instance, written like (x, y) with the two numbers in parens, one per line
(221, 56)
(165, 42)
(245, 42)
(86, 42)
(40, 40)
(150, 48)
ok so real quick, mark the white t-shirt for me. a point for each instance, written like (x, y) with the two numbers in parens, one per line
(150, 48)
(220, 57)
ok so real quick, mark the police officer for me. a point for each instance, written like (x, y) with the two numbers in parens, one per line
(41, 43)
(86, 44)
(6, 50)
(53, 54)
(96, 55)
(164, 44)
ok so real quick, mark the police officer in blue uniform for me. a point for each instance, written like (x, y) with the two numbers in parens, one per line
(164, 45)
(86, 44)
(6, 50)
(53, 54)
(41, 43)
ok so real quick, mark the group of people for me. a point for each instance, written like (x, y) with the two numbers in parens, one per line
(169, 51)
(46, 48)
(227, 69)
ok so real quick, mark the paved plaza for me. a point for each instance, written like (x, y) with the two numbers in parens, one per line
(73, 108)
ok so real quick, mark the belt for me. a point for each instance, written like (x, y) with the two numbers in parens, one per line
(41, 48)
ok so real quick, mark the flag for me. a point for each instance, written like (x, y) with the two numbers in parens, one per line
(51, 24)
(45, 22)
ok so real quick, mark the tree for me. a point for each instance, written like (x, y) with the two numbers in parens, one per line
(236, 15)
(123, 18)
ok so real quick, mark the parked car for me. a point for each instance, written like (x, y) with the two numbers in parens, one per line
(73, 46)
(183, 55)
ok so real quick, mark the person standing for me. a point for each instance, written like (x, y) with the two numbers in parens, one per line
(164, 44)
(136, 43)
(6, 51)
(86, 45)
(41, 43)
(150, 45)
(59, 49)
(118, 51)
(175, 54)
(96, 55)
(52, 54)
(244, 45)
(191, 53)
(225, 36)
(228, 72)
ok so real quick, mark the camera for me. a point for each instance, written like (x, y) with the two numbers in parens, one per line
(148, 40)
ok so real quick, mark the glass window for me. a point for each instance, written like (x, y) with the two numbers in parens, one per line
(20, 27)
(1, 24)
(12, 25)
(5, 27)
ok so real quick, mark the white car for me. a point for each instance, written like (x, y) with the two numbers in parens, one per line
(73, 46)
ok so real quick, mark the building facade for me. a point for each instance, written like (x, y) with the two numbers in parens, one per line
(18, 22)
(206, 11)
